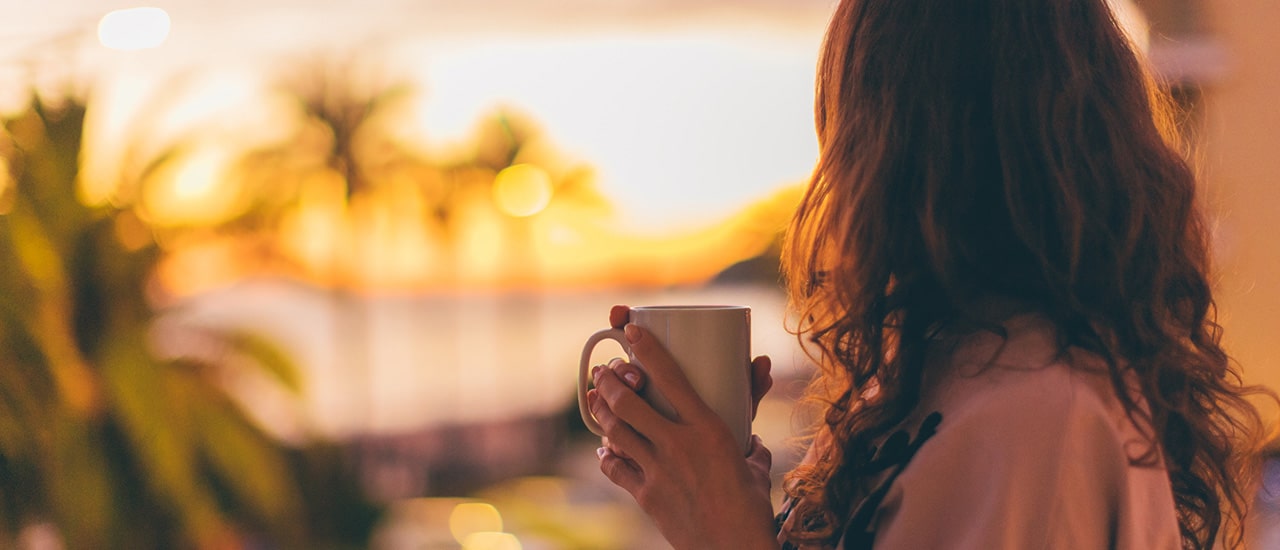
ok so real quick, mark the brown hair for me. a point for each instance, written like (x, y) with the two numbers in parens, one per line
(1012, 149)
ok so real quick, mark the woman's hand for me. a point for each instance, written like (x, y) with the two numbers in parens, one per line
(689, 475)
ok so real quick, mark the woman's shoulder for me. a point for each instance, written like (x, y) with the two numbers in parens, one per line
(1022, 384)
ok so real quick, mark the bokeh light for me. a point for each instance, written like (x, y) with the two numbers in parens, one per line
(491, 541)
(191, 189)
(522, 190)
(134, 29)
(470, 518)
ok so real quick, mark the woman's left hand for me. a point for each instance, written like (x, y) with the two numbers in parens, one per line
(688, 475)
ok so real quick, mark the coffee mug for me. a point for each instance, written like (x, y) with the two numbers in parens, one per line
(710, 344)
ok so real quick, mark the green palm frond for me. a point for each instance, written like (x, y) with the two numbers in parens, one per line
(115, 446)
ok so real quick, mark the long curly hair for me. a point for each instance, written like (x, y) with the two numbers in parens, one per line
(1016, 149)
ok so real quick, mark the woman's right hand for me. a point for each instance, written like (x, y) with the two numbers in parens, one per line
(687, 474)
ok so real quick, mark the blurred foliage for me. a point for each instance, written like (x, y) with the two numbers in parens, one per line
(351, 130)
(341, 192)
(114, 446)
(119, 447)
(347, 135)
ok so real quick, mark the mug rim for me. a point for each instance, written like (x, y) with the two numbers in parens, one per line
(690, 307)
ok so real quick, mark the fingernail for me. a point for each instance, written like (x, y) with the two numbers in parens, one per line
(595, 373)
(633, 333)
(632, 379)
(600, 452)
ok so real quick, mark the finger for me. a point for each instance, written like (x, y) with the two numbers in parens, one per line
(620, 434)
(663, 372)
(604, 442)
(619, 316)
(629, 407)
(622, 472)
(595, 374)
(761, 381)
(631, 374)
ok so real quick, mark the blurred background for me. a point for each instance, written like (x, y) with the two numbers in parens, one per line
(284, 274)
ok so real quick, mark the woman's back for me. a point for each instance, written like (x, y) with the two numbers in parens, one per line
(1033, 450)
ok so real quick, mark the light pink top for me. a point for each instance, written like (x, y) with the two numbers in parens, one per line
(1031, 453)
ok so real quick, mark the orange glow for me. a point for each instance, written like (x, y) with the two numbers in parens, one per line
(395, 247)
(201, 266)
(579, 249)
(142, 116)
(381, 243)
(585, 199)
(483, 246)
(191, 189)
(131, 231)
(314, 233)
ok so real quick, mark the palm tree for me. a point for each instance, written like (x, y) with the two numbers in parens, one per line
(115, 446)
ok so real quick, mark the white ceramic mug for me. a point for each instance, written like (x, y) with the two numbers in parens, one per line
(711, 344)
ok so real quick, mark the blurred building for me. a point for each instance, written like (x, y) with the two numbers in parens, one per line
(1221, 55)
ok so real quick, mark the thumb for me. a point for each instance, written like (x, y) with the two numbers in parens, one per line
(761, 381)
(759, 458)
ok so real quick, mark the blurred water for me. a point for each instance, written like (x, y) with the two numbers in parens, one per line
(396, 364)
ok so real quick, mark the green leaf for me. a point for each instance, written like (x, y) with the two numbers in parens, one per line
(27, 395)
(248, 462)
(82, 488)
(269, 356)
(36, 252)
(155, 415)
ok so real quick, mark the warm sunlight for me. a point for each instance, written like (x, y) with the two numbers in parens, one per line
(142, 115)
(393, 245)
(191, 189)
(484, 249)
(682, 126)
(134, 29)
(313, 233)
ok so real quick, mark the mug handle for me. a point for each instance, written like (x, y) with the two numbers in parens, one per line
(607, 334)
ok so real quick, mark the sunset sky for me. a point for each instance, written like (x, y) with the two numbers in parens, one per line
(689, 110)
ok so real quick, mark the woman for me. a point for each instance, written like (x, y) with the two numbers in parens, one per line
(1002, 266)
